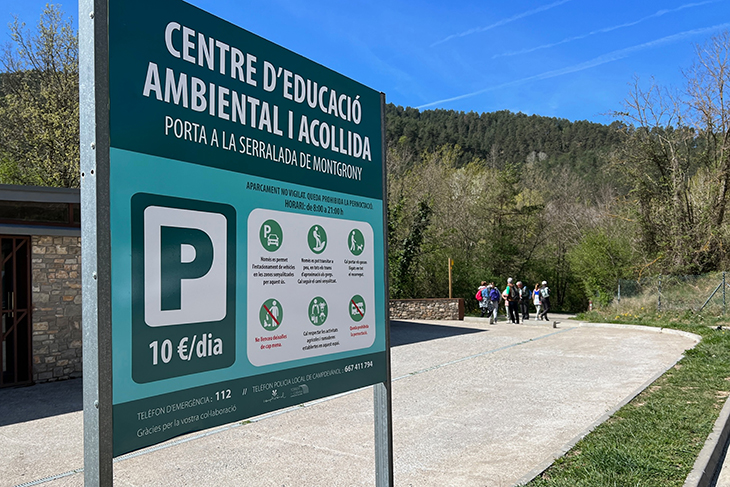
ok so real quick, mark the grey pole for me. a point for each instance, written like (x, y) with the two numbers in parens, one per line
(382, 394)
(712, 296)
(95, 242)
(659, 297)
(723, 293)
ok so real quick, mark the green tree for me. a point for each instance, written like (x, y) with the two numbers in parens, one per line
(39, 107)
(599, 261)
(404, 257)
(676, 160)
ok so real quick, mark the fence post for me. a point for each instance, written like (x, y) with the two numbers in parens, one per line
(659, 298)
(723, 293)
(619, 292)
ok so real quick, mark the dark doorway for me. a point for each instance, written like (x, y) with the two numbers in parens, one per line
(15, 321)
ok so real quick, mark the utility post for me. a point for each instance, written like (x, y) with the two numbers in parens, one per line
(451, 265)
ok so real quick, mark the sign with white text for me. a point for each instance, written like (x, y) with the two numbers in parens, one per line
(247, 227)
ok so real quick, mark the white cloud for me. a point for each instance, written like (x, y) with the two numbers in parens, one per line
(501, 22)
(603, 30)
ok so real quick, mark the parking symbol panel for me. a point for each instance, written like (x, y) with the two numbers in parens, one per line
(183, 286)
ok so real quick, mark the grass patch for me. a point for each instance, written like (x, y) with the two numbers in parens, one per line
(655, 439)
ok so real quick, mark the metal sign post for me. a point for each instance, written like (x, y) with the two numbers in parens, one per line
(95, 243)
(382, 392)
(233, 233)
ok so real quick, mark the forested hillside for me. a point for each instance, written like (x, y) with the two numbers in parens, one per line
(503, 194)
(499, 138)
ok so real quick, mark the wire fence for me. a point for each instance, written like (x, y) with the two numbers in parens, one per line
(706, 293)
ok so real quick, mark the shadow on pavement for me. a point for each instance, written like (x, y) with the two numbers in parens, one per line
(21, 404)
(406, 332)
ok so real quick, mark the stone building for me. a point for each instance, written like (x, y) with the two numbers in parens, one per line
(40, 284)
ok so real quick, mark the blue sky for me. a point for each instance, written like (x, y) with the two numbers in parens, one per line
(561, 58)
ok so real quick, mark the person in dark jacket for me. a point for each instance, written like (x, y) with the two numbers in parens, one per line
(523, 297)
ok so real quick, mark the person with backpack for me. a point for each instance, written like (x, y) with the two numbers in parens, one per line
(510, 302)
(544, 301)
(493, 302)
(482, 299)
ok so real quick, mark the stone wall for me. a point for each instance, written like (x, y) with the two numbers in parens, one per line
(56, 268)
(427, 309)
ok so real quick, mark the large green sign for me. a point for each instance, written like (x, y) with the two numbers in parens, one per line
(246, 201)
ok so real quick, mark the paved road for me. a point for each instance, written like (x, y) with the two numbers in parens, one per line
(473, 404)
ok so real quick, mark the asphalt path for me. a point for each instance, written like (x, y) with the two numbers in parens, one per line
(473, 405)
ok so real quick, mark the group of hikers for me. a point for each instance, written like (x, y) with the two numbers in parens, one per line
(517, 299)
